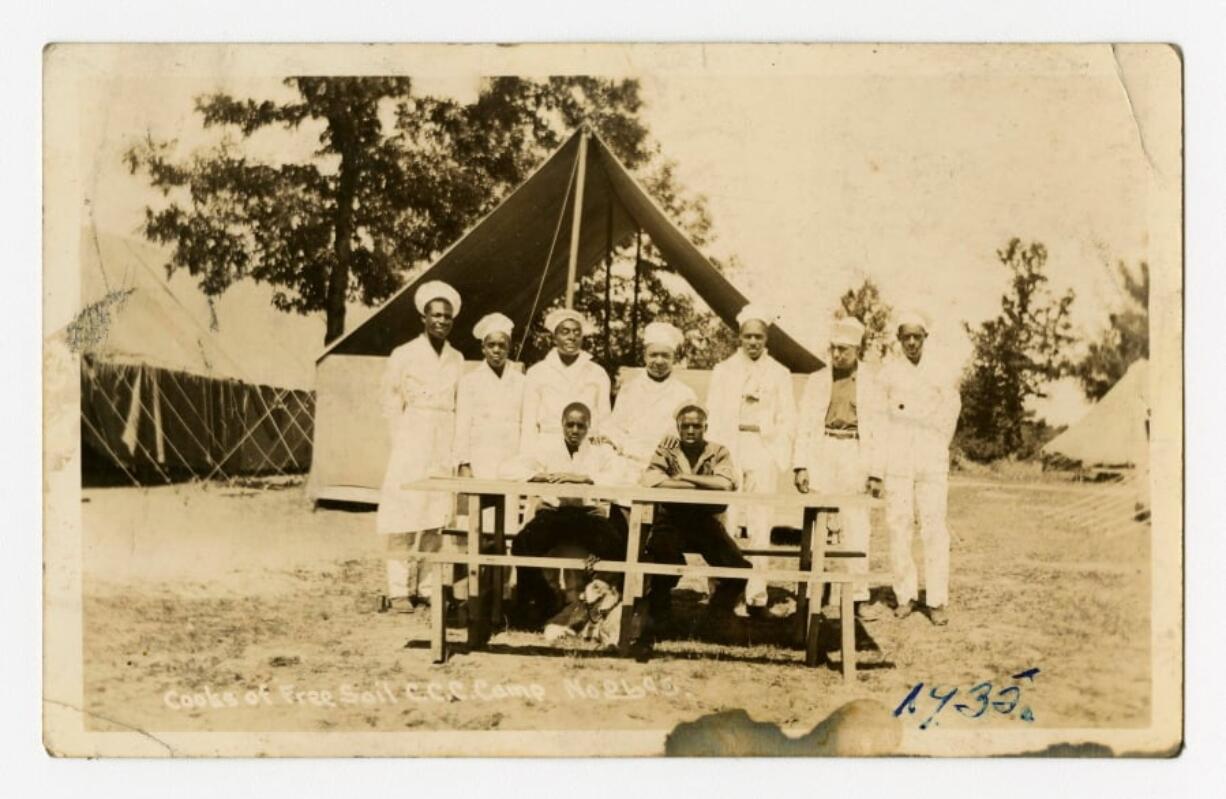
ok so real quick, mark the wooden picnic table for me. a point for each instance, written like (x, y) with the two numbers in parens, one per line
(506, 496)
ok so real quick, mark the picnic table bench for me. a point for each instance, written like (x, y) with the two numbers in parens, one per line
(506, 496)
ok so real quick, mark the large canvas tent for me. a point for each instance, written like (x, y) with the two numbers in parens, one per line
(554, 228)
(1114, 431)
(168, 389)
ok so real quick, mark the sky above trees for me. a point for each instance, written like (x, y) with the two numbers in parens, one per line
(886, 170)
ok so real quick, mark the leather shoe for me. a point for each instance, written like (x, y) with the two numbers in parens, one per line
(904, 610)
(938, 617)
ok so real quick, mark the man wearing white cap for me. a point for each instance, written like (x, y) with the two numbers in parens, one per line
(419, 395)
(753, 413)
(643, 414)
(566, 374)
(489, 404)
(921, 405)
(837, 448)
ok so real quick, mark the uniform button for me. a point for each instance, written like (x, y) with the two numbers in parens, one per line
(901, 406)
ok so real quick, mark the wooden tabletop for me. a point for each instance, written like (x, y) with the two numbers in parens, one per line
(634, 493)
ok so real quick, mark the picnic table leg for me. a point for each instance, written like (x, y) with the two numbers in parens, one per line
(847, 621)
(478, 622)
(502, 511)
(806, 563)
(438, 614)
(817, 549)
(633, 583)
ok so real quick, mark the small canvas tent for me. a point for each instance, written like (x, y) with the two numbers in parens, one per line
(554, 228)
(172, 387)
(1114, 431)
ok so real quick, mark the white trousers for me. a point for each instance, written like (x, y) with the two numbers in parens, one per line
(759, 474)
(404, 575)
(923, 495)
(839, 469)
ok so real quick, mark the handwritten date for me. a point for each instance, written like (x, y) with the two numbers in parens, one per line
(977, 700)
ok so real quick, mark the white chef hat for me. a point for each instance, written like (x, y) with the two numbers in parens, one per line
(662, 334)
(559, 315)
(754, 311)
(492, 323)
(847, 332)
(436, 290)
(915, 318)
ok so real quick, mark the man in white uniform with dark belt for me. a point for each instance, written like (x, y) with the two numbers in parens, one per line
(753, 413)
(837, 447)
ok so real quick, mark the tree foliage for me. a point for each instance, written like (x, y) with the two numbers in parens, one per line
(1125, 340)
(1015, 354)
(865, 304)
(395, 179)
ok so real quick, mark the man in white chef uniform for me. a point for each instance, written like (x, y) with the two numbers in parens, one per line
(837, 447)
(643, 413)
(566, 374)
(753, 413)
(489, 404)
(564, 525)
(921, 404)
(418, 396)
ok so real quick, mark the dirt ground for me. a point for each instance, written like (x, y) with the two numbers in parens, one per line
(216, 608)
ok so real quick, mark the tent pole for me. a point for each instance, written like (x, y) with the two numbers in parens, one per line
(634, 312)
(572, 263)
(608, 287)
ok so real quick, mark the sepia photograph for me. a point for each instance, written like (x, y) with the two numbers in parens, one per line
(592, 400)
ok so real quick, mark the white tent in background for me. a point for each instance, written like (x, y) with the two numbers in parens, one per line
(1114, 432)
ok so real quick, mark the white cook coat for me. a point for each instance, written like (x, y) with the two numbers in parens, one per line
(643, 415)
(596, 461)
(489, 411)
(550, 386)
(842, 465)
(921, 406)
(753, 392)
(418, 398)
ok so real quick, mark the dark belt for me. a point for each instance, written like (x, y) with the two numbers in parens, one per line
(842, 434)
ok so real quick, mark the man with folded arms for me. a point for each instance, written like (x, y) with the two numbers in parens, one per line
(690, 462)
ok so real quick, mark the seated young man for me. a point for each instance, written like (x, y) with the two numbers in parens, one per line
(691, 462)
(565, 527)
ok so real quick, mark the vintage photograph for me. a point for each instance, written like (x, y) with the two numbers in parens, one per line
(617, 399)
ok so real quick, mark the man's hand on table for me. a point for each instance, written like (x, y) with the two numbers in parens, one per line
(465, 470)
(560, 477)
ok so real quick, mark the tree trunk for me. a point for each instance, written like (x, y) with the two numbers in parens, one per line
(338, 278)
